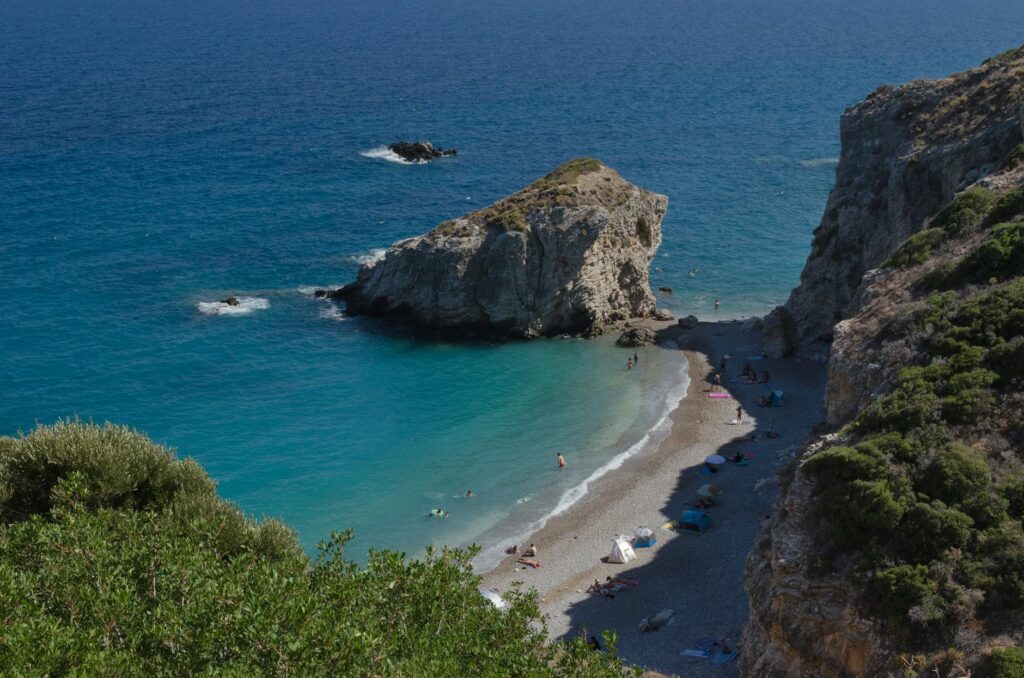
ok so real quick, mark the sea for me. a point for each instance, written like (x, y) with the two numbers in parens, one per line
(157, 157)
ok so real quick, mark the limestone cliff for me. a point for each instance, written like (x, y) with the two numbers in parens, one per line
(869, 566)
(568, 254)
(905, 152)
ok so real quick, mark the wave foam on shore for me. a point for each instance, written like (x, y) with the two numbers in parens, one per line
(491, 556)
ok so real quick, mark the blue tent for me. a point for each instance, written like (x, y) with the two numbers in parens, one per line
(773, 399)
(694, 521)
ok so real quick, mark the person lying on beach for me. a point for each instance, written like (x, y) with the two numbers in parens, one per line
(711, 467)
(702, 503)
(622, 580)
(527, 561)
(747, 370)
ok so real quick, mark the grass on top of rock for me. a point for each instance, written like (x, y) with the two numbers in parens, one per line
(916, 492)
(116, 558)
(559, 188)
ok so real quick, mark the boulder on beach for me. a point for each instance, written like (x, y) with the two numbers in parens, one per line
(636, 336)
(662, 314)
(689, 322)
(569, 254)
(419, 151)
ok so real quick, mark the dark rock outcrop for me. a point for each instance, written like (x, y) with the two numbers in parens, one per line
(419, 151)
(568, 254)
(636, 336)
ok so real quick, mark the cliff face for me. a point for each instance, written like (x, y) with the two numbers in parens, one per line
(568, 254)
(905, 152)
(944, 156)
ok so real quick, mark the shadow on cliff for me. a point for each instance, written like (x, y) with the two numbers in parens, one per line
(700, 576)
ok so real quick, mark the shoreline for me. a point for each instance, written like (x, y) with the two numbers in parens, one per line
(700, 577)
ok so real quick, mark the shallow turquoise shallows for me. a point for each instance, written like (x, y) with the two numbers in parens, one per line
(156, 157)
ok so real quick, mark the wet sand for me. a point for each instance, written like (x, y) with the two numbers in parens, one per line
(698, 576)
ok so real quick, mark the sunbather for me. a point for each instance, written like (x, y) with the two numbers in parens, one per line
(528, 561)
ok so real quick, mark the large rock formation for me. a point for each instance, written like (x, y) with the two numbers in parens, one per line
(905, 152)
(568, 254)
(419, 151)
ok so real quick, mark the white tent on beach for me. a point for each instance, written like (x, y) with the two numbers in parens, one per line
(494, 598)
(622, 551)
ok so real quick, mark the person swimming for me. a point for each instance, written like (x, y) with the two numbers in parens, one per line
(561, 460)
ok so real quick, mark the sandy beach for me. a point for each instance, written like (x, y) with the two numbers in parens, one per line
(698, 576)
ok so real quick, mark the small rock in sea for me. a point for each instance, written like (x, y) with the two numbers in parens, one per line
(636, 336)
(689, 322)
(662, 314)
(419, 151)
(230, 301)
(666, 290)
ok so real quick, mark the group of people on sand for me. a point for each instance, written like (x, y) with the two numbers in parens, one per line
(526, 557)
(633, 362)
(749, 375)
(611, 586)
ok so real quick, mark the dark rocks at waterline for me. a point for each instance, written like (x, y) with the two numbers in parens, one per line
(689, 322)
(636, 336)
(420, 151)
(230, 301)
(666, 290)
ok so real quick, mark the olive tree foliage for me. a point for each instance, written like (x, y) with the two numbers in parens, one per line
(118, 558)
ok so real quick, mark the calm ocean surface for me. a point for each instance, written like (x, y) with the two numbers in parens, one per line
(156, 155)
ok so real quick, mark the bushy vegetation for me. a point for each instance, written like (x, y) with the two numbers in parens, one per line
(1004, 662)
(917, 249)
(1000, 256)
(934, 523)
(116, 558)
(965, 210)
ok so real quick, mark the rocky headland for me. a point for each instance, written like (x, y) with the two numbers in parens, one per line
(896, 547)
(568, 254)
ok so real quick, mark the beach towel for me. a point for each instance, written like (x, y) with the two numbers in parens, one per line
(743, 462)
(719, 395)
(759, 356)
(526, 561)
(703, 654)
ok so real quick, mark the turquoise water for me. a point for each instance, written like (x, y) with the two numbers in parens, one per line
(155, 156)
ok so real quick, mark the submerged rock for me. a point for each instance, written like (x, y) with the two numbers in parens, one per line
(568, 254)
(419, 151)
(636, 336)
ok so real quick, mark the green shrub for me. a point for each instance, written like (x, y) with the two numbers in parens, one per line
(1000, 256)
(118, 559)
(1012, 490)
(895, 590)
(1005, 662)
(1009, 206)
(929, 530)
(954, 474)
(855, 495)
(965, 210)
(916, 249)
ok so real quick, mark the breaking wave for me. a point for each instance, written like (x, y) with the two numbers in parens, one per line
(245, 306)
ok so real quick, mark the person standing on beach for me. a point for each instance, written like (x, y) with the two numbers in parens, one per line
(739, 414)
(717, 382)
(721, 364)
(561, 460)
(718, 304)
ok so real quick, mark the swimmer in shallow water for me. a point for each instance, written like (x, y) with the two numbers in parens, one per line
(561, 460)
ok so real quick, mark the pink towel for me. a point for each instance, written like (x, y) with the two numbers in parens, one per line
(719, 395)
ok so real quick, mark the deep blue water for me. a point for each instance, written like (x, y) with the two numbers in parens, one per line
(154, 155)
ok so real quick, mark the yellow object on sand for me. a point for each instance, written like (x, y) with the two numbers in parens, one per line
(670, 525)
